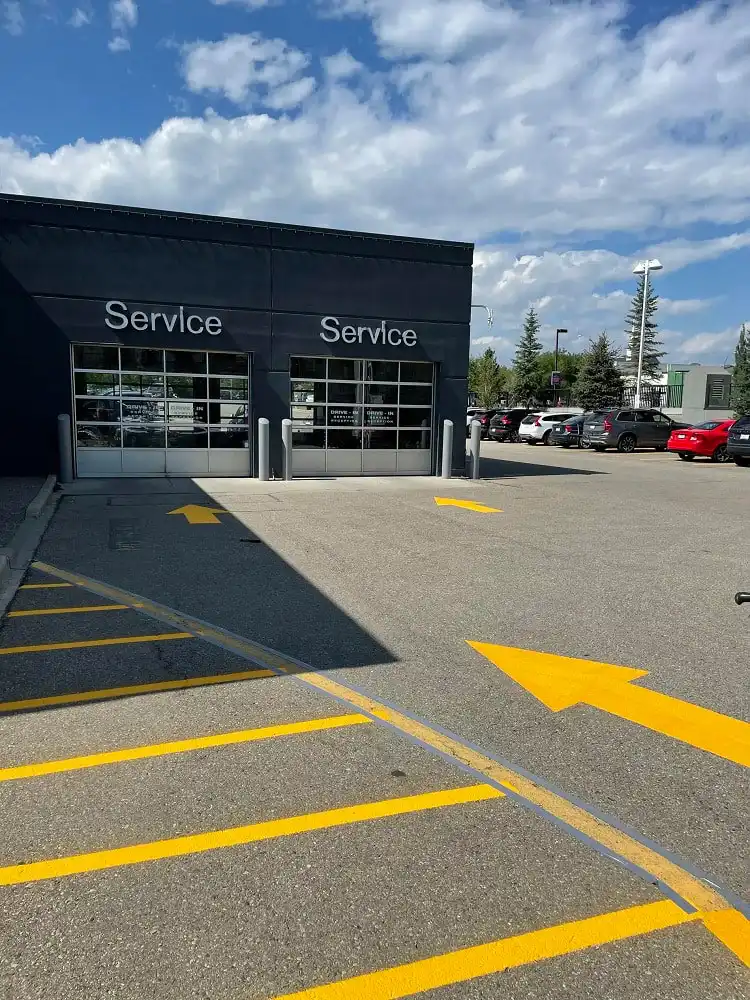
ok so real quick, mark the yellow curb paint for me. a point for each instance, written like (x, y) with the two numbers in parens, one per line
(560, 682)
(83, 644)
(77, 864)
(479, 508)
(131, 690)
(732, 928)
(179, 746)
(497, 956)
(43, 586)
(71, 611)
(695, 892)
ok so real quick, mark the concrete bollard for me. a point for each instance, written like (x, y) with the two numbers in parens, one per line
(476, 438)
(445, 470)
(286, 447)
(263, 462)
(65, 447)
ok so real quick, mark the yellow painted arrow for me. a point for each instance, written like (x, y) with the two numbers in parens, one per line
(561, 681)
(195, 514)
(480, 508)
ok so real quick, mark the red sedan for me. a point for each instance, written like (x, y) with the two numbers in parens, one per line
(708, 440)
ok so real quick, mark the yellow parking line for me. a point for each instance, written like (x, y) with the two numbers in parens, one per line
(175, 847)
(507, 953)
(132, 689)
(180, 746)
(43, 586)
(71, 611)
(119, 641)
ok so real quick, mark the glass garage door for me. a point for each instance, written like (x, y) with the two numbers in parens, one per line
(146, 412)
(352, 417)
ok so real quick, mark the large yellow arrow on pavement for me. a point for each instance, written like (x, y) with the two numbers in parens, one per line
(561, 681)
(195, 514)
(480, 508)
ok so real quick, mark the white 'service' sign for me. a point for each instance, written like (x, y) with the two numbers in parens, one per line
(332, 331)
(119, 317)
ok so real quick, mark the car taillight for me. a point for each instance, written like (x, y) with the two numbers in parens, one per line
(485, 419)
(538, 422)
(505, 420)
(607, 426)
(569, 428)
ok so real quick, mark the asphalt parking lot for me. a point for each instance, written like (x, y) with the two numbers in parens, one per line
(339, 741)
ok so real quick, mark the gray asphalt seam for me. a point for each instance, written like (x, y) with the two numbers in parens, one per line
(189, 623)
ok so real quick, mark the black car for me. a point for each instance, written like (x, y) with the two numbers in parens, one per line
(627, 428)
(569, 432)
(738, 442)
(484, 416)
(504, 425)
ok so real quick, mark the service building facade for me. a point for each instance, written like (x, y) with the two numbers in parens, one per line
(166, 336)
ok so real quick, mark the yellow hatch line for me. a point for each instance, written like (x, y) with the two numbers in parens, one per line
(70, 611)
(175, 847)
(497, 956)
(133, 689)
(43, 586)
(609, 839)
(46, 647)
(179, 746)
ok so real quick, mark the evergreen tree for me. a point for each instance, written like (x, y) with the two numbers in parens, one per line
(486, 378)
(526, 380)
(599, 383)
(741, 375)
(652, 355)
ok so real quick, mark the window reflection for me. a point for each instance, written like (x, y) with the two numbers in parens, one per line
(134, 436)
(228, 437)
(187, 413)
(381, 371)
(228, 388)
(416, 395)
(344, 392)
(227, 413)
(344, 369)
(308, 392)
(184, 387)
(340, 438)
(138, 359)
(140, 411)
(97, 437)
(187, 362)
(379, 439)
(416, 371)
(308, 367)
(227, 364)
(414, 416)
(96, 356)
(187, 437)
(415, 438)
(142, 385)
(307, 437)
(94, 384)
(106, 410)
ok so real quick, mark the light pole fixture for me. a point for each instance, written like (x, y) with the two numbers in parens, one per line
(479, 305)
(643, 267)
(558, 331)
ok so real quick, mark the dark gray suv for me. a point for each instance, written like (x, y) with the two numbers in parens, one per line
(627, 428)
(738, 443)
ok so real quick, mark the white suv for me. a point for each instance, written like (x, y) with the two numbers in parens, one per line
(537, 426)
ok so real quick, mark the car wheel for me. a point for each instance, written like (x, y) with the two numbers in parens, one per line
(741, 460)
(626, 444)
(686, 456)
(721, 454)
(513, 437)
(545, 437)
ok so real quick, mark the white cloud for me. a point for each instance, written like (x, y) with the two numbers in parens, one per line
(248, 4)
(341, 65)
(123, 15)
(241, 67)
(81, 17)
(11, 17)
(696, 347)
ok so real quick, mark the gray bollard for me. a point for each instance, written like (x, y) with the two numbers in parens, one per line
(286, 447)
(476, 437)
(447, 449)
(65, 447)
(263, 433)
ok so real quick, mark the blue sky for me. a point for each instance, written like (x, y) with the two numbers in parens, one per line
(567, 139)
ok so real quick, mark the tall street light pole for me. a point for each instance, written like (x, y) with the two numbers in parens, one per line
(479, 305)
(643, 267)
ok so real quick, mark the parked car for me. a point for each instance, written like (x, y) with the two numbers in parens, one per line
(569, 432)
(532, 431)
(708, 440)
(627, 428)
(504, 425)
(481, 414)
(738, 441)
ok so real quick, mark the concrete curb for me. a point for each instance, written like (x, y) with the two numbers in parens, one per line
(16, 556)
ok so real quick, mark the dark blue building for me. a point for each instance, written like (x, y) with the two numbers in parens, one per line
(165, 336)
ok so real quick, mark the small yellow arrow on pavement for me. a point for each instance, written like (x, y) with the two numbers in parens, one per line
(480, 508)
(562, 681)
(195, 514)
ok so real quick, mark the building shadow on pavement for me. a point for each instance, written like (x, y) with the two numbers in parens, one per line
(122, 533)
(500, 468)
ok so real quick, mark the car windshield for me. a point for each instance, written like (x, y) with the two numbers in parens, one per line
(530, 419)
(708, 425)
